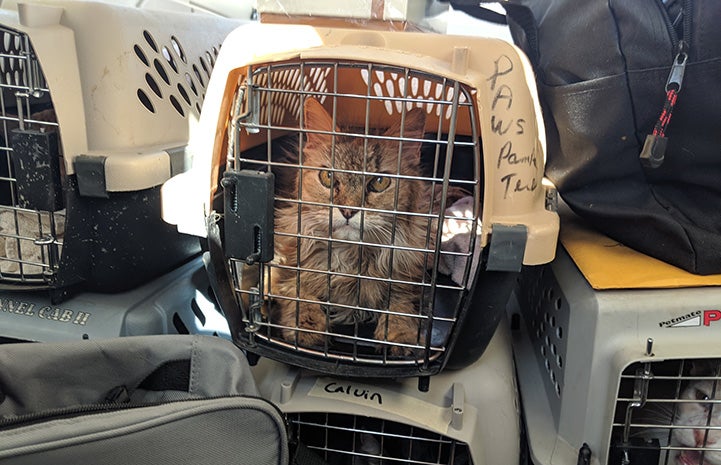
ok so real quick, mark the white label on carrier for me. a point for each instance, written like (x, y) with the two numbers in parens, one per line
(434, 417)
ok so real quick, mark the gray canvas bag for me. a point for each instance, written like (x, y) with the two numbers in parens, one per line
(135, 400)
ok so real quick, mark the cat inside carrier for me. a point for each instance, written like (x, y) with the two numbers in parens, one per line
(341, 439)
(617, 368)
(95, 106)
(373, 194)
(668, 413)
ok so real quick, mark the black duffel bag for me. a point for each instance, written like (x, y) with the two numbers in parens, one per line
(631, 95)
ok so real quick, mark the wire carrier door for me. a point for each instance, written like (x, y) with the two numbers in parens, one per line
(355, 220)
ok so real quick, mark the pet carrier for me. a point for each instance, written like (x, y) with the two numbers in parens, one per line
(625, 372)
(96, 107)
(468, 417)
(366, 226)
(179, 302)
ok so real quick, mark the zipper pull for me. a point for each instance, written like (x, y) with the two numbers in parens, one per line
(654, 147)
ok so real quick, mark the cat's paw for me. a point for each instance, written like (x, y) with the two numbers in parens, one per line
(304, 339)
(401, 332)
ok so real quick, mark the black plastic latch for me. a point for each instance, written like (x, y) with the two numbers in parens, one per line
(90, 172)
(508, 245)
(248, 199)
(36, 164)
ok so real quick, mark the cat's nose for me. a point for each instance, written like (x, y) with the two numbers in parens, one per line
(347, 212)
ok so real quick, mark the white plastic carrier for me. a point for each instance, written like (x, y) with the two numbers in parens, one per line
(486, 210)
(617, 376)
(98, 102)
(469, 416)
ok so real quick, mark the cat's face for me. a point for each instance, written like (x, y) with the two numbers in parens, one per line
(358, 182)
(698, 412)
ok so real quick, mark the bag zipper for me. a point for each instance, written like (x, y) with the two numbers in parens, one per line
(69, 412)
(654, 147)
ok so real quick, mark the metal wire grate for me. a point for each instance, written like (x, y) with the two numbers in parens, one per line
(377, 204)
(668, 413)
(30, 240)
(349, 439)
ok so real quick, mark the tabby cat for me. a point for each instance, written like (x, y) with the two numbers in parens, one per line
(347, 189)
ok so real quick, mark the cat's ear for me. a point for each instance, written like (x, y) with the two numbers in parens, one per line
(317, 119)
(413, 128)
(705, 368)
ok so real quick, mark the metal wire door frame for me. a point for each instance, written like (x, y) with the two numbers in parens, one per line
(287, 85)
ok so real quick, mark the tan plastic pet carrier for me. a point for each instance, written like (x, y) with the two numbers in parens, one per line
(468, 417)
(624, 373)
(96, 109)
(372, 194)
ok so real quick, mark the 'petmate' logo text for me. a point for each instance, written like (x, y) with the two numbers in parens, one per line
(697, 318)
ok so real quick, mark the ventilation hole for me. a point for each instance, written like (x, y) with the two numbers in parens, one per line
(558, 303)
(205, 67)
(143, 97)
(198, 76)
(215, 50)
(558, 389)
(139, 52)
(549, 294)
(553, 377)
(548, 365)
(211, 59)
(149, 39)
(169, 58)
(161, 71)
(184, 93)
(553, 350)
(190, 82)
(179, 325)
(153, 85)
(178, 49)
(548, 341)
(559, 332)
(553, 321)
(197, 311)
(197, 107)
(543, 351)
(176, 105)
(559, 361)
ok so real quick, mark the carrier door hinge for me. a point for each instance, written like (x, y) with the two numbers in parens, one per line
(90, 172)
(508, 245)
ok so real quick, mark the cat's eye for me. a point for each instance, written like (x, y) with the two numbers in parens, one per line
(700, 395)
(379, 184)
(326, 178)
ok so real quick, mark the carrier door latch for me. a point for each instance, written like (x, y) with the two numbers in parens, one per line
(248, 197)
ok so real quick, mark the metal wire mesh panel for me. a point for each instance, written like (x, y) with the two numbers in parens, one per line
(349, 439)
(365, 251)
(668, 413)
(31, 234)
